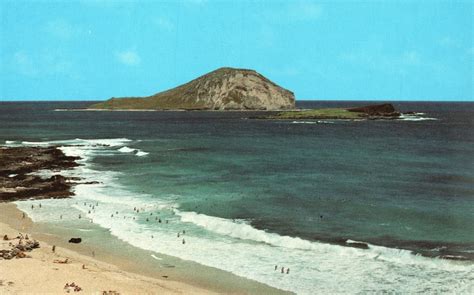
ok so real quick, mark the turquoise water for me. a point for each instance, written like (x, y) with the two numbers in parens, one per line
(251, 194)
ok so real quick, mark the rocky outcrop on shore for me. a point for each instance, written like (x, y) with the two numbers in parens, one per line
(222, 89)
(17, 167)
(18, 250)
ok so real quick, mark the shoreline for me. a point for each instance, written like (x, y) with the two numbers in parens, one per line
(172, 110)
(41, 272)
(172, 275)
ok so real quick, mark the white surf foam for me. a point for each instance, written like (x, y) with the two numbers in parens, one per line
(35, 143)
(416, 117)
(141, 153)
(243, 231)
(312, 122)
(304, 122)
(154, 256)
(126, 149)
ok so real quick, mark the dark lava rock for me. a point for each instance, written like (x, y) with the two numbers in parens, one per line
(359, 245)
(75, 240)
(20, 162)
(377, 109)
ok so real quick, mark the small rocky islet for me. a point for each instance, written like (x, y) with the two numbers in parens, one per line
(371, 112)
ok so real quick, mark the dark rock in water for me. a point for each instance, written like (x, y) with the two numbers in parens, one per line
(359, 245)
(374, 109)
(453, 257)
(75, 240)
(378, 111)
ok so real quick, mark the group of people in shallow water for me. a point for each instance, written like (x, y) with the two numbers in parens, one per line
(179, 235)
(135, 209)
(283, 269)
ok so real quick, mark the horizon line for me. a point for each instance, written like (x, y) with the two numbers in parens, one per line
(296, 100)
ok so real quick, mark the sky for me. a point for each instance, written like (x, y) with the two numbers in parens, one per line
(321, 50)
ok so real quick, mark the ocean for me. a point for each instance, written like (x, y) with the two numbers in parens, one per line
(347, 206)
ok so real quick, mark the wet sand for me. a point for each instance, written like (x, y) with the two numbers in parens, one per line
(111, 264)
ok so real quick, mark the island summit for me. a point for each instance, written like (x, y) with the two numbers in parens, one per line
(222, 89)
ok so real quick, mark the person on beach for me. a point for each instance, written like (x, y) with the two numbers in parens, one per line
(65, 261)
(184, 242)
(54, 248)
(24, 215)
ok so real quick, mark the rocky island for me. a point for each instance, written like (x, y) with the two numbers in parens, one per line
(222, 89)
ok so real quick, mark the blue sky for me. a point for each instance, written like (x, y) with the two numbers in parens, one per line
(346, 50)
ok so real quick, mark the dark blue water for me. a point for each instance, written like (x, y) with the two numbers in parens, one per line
(407, 184)
(254, 193)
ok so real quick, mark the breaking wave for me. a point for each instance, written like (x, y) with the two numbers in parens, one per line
(415, 117)
(235, 245)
